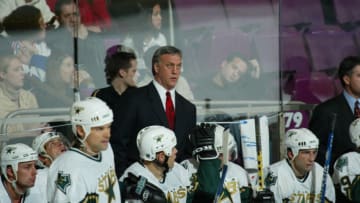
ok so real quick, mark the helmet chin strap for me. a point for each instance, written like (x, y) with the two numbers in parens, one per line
(164, 165)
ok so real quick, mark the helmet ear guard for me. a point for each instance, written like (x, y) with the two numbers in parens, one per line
(300, 139)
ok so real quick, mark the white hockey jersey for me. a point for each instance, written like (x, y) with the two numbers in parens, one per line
(34, 194)
(282, 181)
(346, 171)
(77, 177)
(176, 182)
(235, 179)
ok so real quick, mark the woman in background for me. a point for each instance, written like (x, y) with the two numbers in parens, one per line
(57, 90)
(12, 94)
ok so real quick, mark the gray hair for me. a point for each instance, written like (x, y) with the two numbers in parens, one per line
(162, 51)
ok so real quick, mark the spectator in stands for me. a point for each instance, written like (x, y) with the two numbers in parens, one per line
(69, 18)
(148, 34)
(49, 146)
(236, 78)
(18, 175)
(6, 7)
(344, 106)
(12, 94)
(93, 13)
(89, 49)
(57, 90)
(145, 74)
(120, 72)
(26, 29)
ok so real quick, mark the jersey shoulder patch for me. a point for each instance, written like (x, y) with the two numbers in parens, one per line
(63, 181)
(341, 162)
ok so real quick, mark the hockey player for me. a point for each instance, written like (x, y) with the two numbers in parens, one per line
(86, 172)
(347, 169)
(298, 178)
(236, 180)
(49, 145)
(18, 175)
(156, 178)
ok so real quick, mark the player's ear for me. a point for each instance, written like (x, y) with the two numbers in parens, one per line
(10, 173)
(80, 131)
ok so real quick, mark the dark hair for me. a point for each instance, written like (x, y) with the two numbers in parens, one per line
(162, 51)
(53, 77)
(22, 19)
(147, 7)
(117, 57)
(346, 67)
(59, 4)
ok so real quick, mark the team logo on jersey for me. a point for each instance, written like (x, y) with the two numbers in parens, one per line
(107, 183)
(90, 198)
(341, 163)
(270, 179)
(63, 181)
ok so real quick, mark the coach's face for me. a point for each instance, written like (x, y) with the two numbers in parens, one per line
(352, 82)
(167, 70)
(304, 161)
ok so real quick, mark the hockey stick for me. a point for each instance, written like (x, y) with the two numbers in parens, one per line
(327, 159)
(225, 161)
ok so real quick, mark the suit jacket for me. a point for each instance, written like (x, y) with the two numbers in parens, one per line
(320, 125)
(142, 107)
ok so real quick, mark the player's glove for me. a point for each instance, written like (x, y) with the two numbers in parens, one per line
(140, 188)
(202, 138)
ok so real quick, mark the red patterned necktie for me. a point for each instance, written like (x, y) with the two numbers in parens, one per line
(170, 113)
(357, 110)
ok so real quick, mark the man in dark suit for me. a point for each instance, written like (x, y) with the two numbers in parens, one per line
(343, 106)
(149, 105)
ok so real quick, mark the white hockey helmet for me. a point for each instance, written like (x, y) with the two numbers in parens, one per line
(354, 131)
(40, 141)
(13, 154)
(153, 139)
(91, 112)
(298, 139)
(232, 146)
